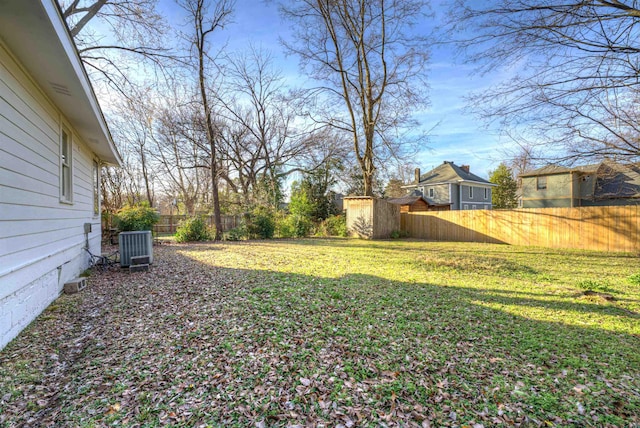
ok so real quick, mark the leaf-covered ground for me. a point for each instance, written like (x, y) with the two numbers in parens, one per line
(337, 333)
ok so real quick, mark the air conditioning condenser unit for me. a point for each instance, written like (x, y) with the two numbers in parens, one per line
(133, 244)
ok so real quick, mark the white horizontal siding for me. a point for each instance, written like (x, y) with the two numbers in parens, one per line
(41, 212)
(41, 238)
(23, 162)
(15, 245)
(17, 91)
(25, 195)
(83, 180)
(26, 227)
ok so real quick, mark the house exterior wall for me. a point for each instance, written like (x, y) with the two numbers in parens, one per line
(476, 200)
(583, 186)
(454, 190)
(440, 193)
(557, 194)
(41, 238)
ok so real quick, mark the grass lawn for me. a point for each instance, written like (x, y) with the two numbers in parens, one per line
(328, 332)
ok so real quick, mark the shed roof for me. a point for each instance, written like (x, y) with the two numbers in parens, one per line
(411, 199)
(406, 200)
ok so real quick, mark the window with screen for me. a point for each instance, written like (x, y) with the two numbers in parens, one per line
(66, 175)
(96, 188)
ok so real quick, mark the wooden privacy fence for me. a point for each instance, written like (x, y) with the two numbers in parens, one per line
(614, 228)
(169, 223)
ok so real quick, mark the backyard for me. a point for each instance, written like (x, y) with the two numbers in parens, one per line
(337, 332)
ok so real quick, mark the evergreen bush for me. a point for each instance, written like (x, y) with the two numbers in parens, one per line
(236, 234)
(260, 223)
(193, 229)
(300, 225)
(335, 225)
(136, 217)
(284, 229)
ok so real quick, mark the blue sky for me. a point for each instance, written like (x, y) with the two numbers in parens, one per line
(459, 137)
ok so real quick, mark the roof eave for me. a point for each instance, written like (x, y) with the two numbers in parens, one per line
(35, 32)
(482, 183)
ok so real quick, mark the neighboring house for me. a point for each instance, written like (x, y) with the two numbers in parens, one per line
(415, 202)
(53, 139)
(605, 183)
(455, 186)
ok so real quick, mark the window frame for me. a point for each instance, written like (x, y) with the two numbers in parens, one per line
(470, 192)
(95, 177)
(541, 182)
(486, 193)
(66, 165)
(431, 192)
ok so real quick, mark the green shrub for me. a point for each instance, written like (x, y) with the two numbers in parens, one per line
(284, 228)
(397, 234)
(301, 208)
(193, 229)
(301, 226)
(236, 234)
(260, 223)
(137, 217)
(333, 226)
(293, 226)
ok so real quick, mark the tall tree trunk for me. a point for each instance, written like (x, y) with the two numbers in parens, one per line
(211, 135)
(213, 155)
(145, 175)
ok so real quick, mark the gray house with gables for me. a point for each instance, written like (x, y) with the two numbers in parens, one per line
(453, 185)
(601, 184)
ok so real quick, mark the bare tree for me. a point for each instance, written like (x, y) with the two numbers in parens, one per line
(242, 156)
(116, 37)
(205, 22)
(263, 131)
(255, 106)
(523, 158)
(573, 67)
(179, 138)
(370, 58)
(122, 186)
(133, 120)
(112, 188)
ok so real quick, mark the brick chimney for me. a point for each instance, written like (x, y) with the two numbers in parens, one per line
(465, 168)
(417, 175)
